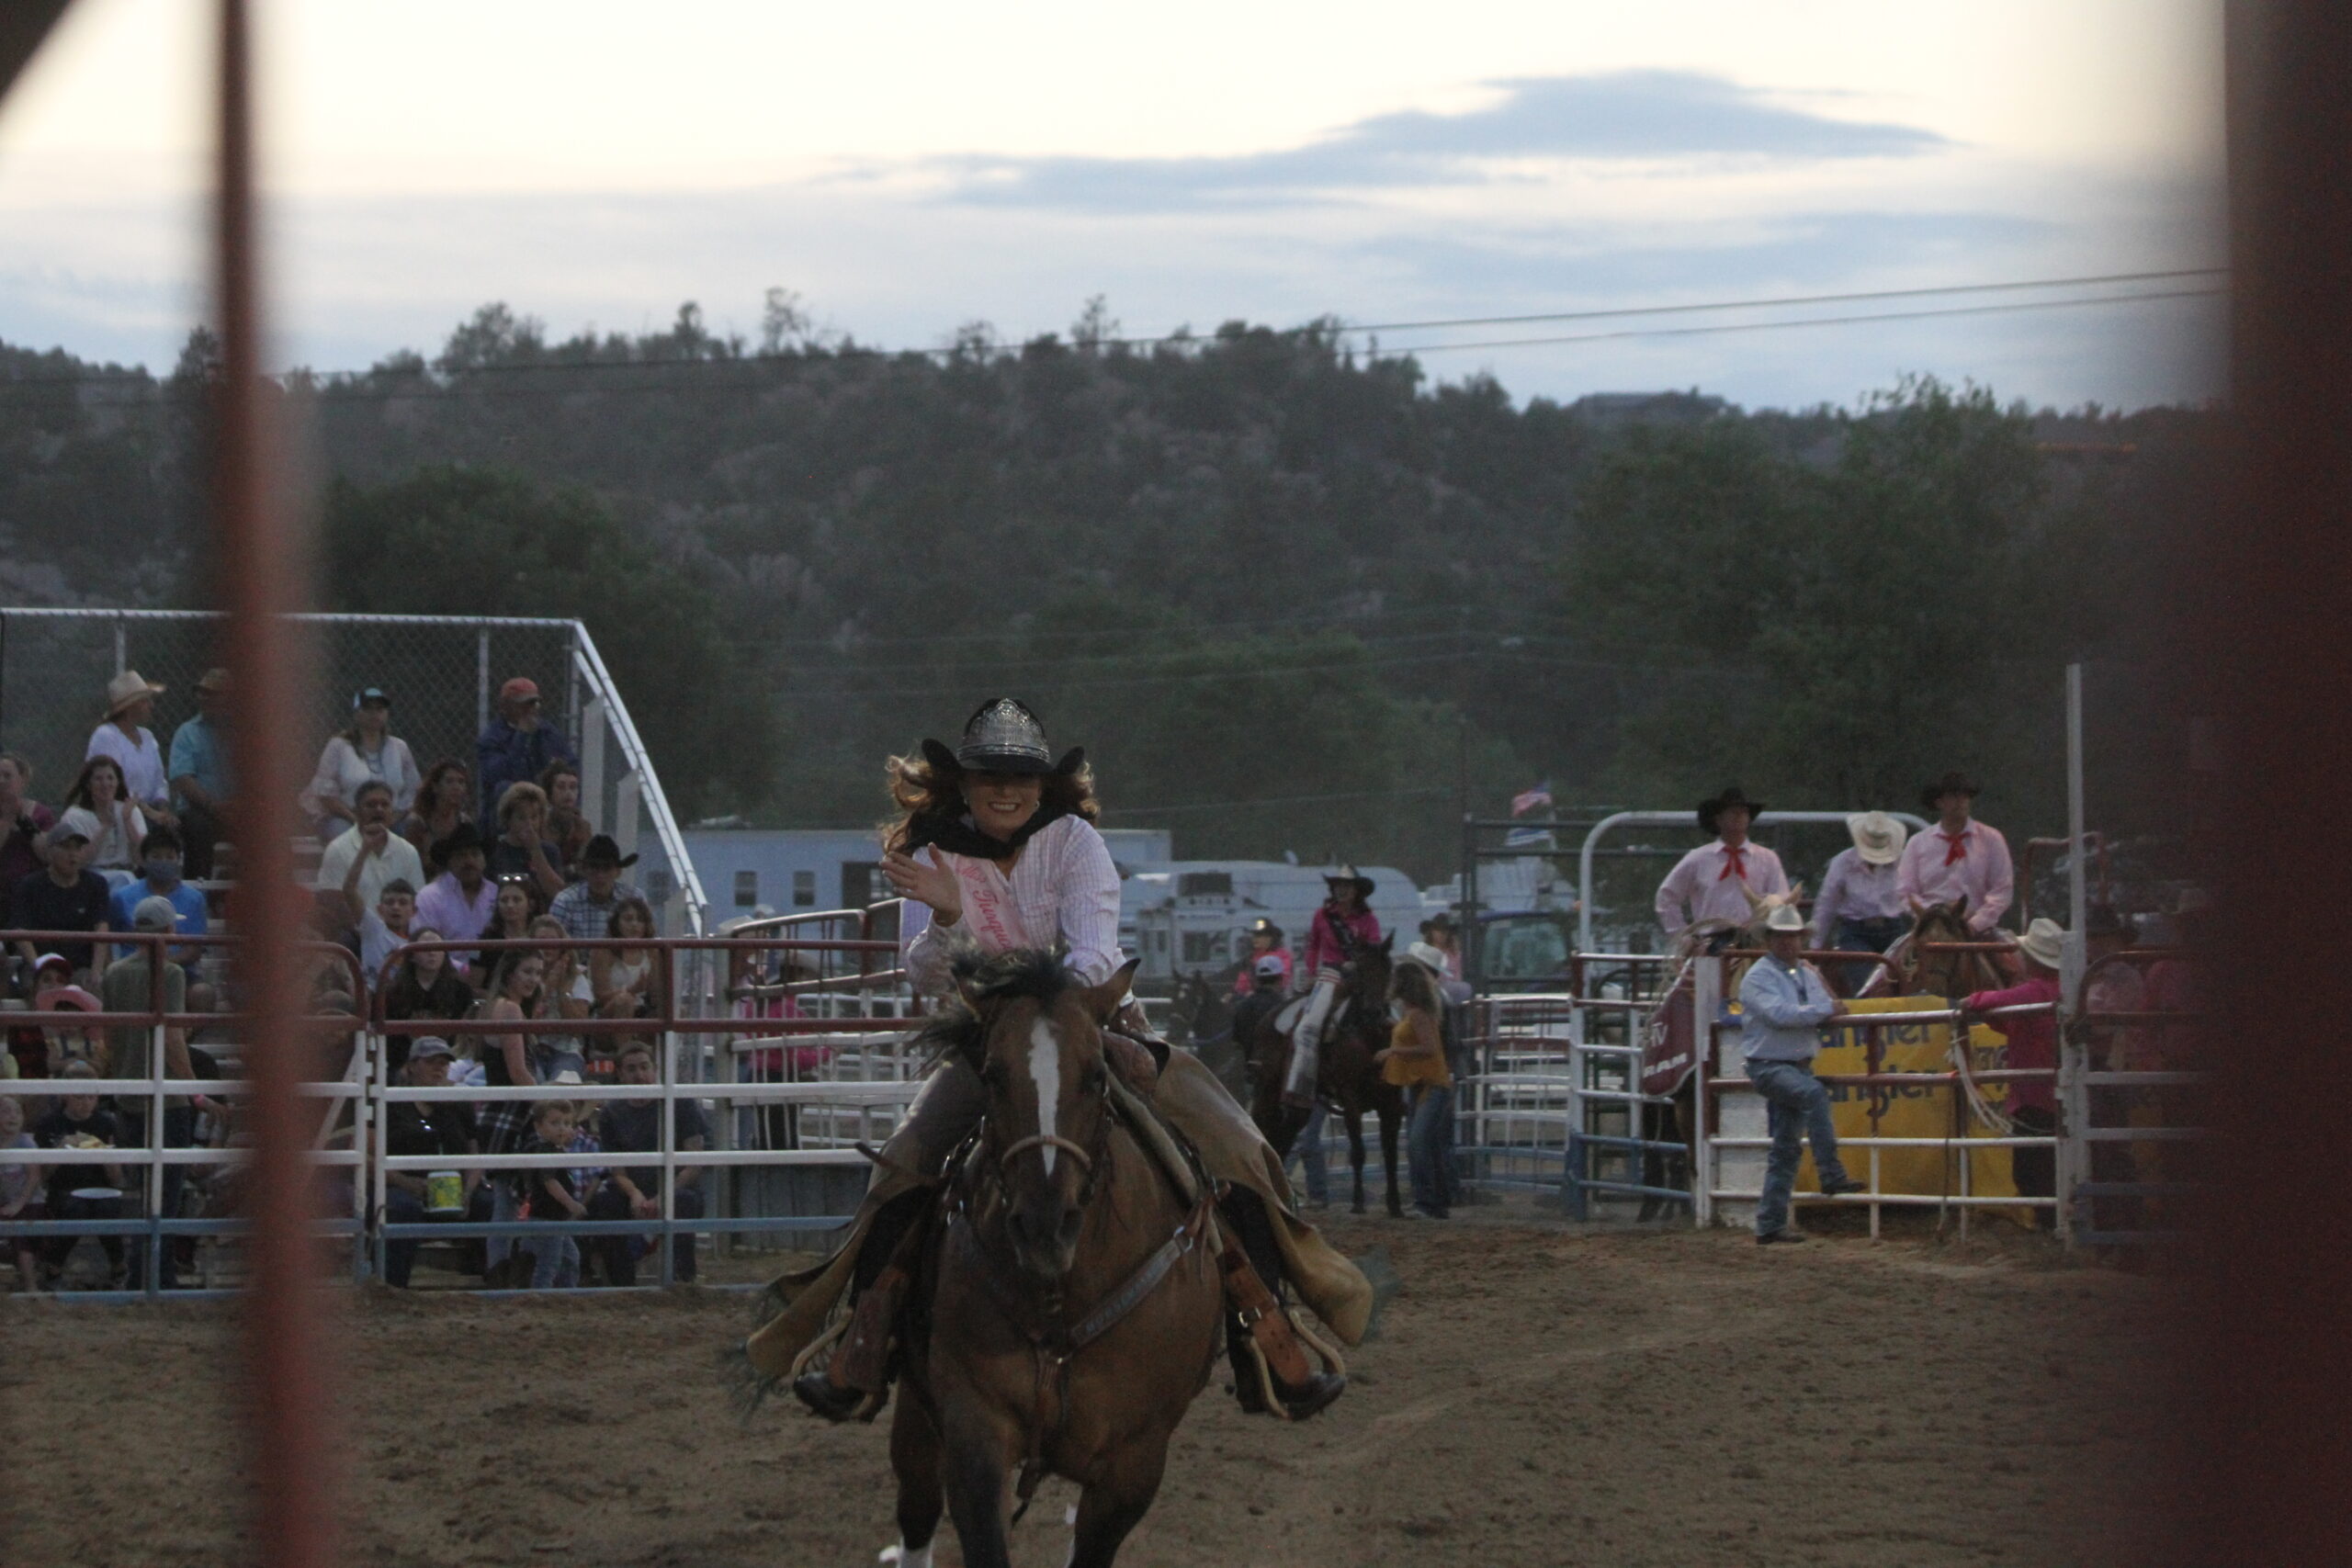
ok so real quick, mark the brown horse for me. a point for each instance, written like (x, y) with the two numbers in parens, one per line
(1347, 1075)
(1075, 1307)
(1923, 973)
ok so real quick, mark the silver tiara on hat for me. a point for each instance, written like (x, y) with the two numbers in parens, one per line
(1004, 736)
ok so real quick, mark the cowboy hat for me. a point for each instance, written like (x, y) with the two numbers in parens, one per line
(1427, 956)
(1878, 838)
(1953, 783)
(1264, 927)
(215, 679)
(127, 688)
(464, 836)
(1003, 736)
(1784, 918)
(2044, 941)
(1710, 809)
(1349, 874)
(602, 850)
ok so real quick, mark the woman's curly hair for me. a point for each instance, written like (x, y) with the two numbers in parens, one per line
(924, 789)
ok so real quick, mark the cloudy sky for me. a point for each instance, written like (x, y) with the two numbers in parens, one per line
(909, 168)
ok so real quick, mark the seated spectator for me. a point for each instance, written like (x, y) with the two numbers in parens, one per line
(21, 1198)
(518, 744)
(634, 1126)
(24, 844)
(159, 860)
(517, 995)
(131, 985)
(369, 854)
(426, 985)
(199, 774)
(521, 847)
(624, 978)
(443, 801)
(384, 930)
(571, 998)
(364, 752)
(512, 911)
(115, 825)
(567, 828)
(586, 906)
(443, 1129)
(62, 897)
(55, 992)
(459, 901)
(553, 1196)
(123, 735)
(81, 1191)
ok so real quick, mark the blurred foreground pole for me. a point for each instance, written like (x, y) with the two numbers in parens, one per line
(2266, 1450)
(259, 570)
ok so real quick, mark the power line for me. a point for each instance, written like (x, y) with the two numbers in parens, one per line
(2004, 308)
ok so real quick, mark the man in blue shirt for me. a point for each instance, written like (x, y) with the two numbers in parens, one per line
(199, 773)
(518, 746)
(159, 857)
(1784, 1003)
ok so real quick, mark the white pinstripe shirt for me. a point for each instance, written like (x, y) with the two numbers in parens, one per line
(1064, 888)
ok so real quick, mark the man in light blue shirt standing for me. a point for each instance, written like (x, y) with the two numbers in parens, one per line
(1784, 1003)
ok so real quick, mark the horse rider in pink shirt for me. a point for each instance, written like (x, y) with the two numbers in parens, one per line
(1343, 924)
(1716, 881)
(1958, 858)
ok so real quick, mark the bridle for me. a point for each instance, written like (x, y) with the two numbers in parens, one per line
(1085, 1157)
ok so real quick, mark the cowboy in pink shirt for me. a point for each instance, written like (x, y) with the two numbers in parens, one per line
(1957, 858)
(1715, 882)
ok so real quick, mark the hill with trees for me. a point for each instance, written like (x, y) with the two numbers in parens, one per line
(1291, 599)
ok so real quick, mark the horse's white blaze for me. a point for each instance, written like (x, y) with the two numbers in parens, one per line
(1045, 1073)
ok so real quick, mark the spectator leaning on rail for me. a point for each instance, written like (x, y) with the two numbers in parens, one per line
(25, 824)
(443, 1129)
(61, 896)
(365, 752)
(124, 736)
(634, 1192)
(199, 773)
(367, 855)
(1784, 1003)
(2033, 1043)
(130, 985)
(519, 745)
(1958, 858)
(1860, 908)
(587, 906)
(1715, 882)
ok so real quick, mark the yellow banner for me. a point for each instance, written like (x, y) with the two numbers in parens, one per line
(1916, 1111)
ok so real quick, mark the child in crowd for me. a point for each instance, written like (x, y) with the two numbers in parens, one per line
(554, 1195)
(78, 1123)
(20, 1191)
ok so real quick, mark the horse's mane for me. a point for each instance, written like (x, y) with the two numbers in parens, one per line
(1037, 973)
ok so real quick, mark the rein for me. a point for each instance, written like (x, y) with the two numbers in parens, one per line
(1085, 1157)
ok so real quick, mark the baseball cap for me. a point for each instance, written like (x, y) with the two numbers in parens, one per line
(429, 1046)
(366, 694)
(1271, 964)
(76, 822)
(154, 913)
(519, 686)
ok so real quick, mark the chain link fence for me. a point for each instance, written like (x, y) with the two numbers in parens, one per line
(442, 674)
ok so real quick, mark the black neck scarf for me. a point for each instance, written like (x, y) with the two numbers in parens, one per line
(958, 836)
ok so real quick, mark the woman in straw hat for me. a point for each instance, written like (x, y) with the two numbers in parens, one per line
(995, 845)
(124, 736)
(1860, 909)
(2033, 1043)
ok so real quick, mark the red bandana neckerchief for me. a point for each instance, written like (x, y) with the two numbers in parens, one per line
(1959, 842)
(1734, 863)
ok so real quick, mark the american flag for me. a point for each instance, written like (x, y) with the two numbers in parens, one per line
(1528, 800)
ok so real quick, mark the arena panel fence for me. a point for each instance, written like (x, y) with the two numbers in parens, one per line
(839, 1024)
(441, 673)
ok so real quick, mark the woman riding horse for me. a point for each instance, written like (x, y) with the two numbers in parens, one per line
(995, 846)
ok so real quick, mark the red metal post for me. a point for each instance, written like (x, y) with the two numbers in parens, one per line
(260, 554)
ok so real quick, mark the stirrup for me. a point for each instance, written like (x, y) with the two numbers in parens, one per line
(810, 1374)
(1270, 1396)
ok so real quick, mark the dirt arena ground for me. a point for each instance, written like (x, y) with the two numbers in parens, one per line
(1535, 1395)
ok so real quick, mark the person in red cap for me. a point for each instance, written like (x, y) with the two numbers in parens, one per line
(517, 745)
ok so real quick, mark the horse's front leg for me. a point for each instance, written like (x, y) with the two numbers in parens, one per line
(979, 1460)
(914, 1459)
(1391, 1113)
(1355, 1153)
(1114, 1505)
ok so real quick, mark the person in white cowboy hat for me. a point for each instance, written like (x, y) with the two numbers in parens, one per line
(1714, 882)
(1784, 1003)
(1860, 908)
(123, 735)
(2033, 1043)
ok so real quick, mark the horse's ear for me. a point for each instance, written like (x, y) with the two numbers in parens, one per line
(1102, 1002)
(1388, 942)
